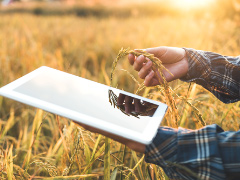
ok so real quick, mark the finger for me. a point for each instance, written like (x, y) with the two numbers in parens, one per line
(137, 105)
(157, 51)
(168, 54)
(131, 59)
(139, 50)
(146, 104)
(138, 63)
(144, 71)
(120, 99)
(178, 70)
(128, 104)
(151, 80)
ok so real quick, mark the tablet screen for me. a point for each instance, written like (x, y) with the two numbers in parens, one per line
(87, 97)
(88, 102)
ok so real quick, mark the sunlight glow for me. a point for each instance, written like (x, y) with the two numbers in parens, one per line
(188, 4)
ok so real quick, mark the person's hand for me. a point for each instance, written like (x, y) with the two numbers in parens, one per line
(130, 104)
(134, 105)
(136, 146)
(174, 59)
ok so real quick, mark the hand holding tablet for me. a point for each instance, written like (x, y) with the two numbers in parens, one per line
(128, 116)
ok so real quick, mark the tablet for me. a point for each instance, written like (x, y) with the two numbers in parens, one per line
(88, 102)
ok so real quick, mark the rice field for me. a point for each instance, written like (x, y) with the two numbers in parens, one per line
(35, 144)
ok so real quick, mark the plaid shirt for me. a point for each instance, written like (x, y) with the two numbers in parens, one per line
(207, 153)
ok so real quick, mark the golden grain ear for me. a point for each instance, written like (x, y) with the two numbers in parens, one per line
(157, 68)
(169, 94)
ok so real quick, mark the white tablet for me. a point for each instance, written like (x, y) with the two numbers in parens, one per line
(88, 102)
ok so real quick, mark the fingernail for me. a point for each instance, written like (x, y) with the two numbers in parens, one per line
(139, 49)
(149, 63)
(140, 57)
(151, 73)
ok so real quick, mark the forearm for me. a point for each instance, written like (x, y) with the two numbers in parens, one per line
(216, 73)
(190, 153)
(136, 146)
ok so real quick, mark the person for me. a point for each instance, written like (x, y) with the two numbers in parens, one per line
(206, 153)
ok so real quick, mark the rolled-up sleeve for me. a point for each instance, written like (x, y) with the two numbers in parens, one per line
(207, 153)
(217, 73)
(163, 149)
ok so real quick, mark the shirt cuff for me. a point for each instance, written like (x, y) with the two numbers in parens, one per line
(216, 73)
(199, 66)
(163, 149)
(184, 153)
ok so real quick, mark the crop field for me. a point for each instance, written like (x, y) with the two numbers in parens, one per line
(35, 144)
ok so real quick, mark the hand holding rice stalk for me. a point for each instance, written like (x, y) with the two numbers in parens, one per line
(158, 66)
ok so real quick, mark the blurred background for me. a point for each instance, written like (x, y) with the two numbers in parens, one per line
(83, 37)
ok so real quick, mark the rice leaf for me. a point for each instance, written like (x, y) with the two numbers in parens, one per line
(137, 165)
(10, 123)
(9, 164)
(114, 174)
(107, 159)
(95, 146)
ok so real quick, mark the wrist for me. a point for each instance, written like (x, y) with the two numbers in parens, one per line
(185, 65)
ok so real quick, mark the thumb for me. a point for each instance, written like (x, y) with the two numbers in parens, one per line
(167, 54)
(157, 51)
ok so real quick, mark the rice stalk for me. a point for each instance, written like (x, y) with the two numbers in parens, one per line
(157, 67)
(21, 172)
(56, 147)
(37, 124)
(183, 168)
(95, 147)
(133, 78)
(96, 155)
(188, 102)
(37, 127)
(137, 166)
(1, 101)
(107, 159)
(70, 177)
(138, 163)
(195, 110)
(150, 171)
(10, 122)
(87, 154)
(76, 148)
(197, 113)
(65, 147)
(41, 50)
(123, 158)
(140, 86)
(2, 164)
(9, 164)
(114, 174)
(106, 78)
(226, 113)
(191, 95)
(160, 172)
(51, 169)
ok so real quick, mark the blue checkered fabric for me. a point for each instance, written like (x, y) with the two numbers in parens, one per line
(210, 152)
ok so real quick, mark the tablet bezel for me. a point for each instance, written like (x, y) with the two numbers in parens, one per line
(144, 138)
